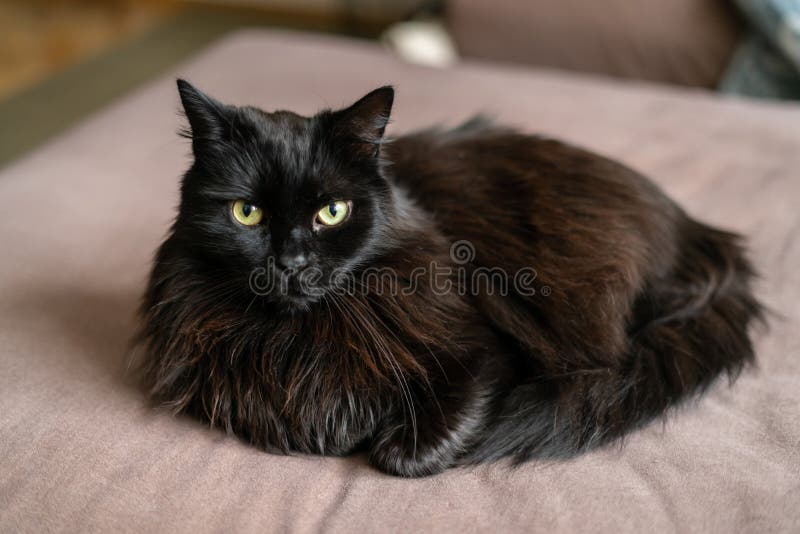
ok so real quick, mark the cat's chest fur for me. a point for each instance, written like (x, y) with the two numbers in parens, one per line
(319, 381)
(313, 395)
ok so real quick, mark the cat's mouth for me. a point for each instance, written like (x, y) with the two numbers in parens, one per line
(298, 290)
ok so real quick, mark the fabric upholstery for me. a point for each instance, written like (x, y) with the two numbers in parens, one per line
(684, 42)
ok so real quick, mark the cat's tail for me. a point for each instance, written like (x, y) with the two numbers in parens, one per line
(693, 327)
(698, 329)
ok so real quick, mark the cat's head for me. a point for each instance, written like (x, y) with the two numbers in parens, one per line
(285, 201)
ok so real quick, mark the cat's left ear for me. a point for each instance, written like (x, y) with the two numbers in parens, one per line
(366, 120)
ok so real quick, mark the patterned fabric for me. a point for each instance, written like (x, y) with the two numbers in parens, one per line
(768, 63)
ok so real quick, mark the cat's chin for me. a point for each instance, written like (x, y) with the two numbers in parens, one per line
(296, 302)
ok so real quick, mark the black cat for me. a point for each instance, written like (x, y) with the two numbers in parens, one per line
(447, 298)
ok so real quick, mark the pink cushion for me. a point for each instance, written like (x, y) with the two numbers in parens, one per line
(80, 218)
(685, 42)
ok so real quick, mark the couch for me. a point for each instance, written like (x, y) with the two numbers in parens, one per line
(682, 42)
(81, 450)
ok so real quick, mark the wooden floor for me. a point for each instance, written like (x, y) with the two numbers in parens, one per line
(41, 37)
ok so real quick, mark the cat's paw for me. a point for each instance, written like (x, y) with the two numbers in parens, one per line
(394, 460)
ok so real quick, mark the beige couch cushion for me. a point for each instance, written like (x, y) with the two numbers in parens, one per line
(79, 219)
(685, 42)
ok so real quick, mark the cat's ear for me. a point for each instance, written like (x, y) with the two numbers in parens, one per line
(206, 115)
(366, 120)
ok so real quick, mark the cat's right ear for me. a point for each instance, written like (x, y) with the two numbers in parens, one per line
(206, 115)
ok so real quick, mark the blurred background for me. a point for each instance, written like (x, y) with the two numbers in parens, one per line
(71, 57)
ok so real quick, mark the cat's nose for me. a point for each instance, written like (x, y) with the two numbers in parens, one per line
(292, 251)
(294, 261)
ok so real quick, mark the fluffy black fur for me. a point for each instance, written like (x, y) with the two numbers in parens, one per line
(633, 307)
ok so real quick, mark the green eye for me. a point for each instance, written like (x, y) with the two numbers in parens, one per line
(334, 213)
(246, 213)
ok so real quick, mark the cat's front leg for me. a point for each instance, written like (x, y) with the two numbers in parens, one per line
(431, 437)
